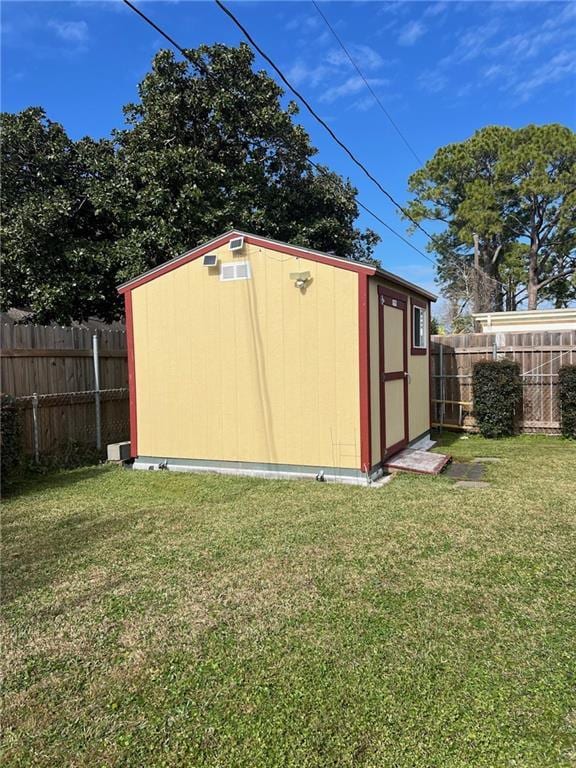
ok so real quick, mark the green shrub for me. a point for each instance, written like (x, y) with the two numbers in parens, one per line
(497, 391)
(567, 395)
(10, 439)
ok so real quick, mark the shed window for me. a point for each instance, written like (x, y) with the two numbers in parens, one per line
(236, 270)
(419, 330)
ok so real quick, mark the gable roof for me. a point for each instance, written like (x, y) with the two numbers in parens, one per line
(275, 245)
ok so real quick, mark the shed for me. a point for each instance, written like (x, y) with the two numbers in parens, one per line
(252, 356)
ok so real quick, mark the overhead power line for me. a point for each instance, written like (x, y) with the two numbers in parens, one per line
(367, 83)
(318, 168)
(375, 215)
(317, 117)
(340, 143)
(158, 29)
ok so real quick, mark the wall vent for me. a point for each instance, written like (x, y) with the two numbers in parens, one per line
(235, 270)
(236, 244)
(210, 260)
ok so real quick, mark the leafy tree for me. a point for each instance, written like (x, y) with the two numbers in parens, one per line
(541, 168)
(463, 324)
(207, 147)
(513, 274)
(562, 290)
(561, 293)
(499, 188)
(55, 256)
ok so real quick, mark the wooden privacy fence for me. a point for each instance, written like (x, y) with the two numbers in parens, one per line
(64, 398)
(539, 354)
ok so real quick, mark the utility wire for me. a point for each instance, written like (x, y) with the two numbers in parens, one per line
(316, 116)
(158, 29)
(367, 83)
(375, 215)
(318, 168)
(200, 66)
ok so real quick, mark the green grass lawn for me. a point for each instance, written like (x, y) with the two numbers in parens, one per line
(156, 619)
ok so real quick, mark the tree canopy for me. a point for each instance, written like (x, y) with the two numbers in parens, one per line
(207, 147)
(55, 243)
(505, 202)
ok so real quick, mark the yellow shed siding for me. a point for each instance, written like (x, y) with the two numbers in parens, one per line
(418, 370)
(418, 394)
(249, 370)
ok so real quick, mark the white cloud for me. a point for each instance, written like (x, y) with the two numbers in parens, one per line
(334, 72)
(432, 81)
(392, 8)
(472, 43)
(412, 32)
(522, 45)
(300, 72)
(303, 23)
(71, 31)
(518, 54)
(435, 8)
(567, 15)
(364, 56)
(560, 66)
(494, 70)
(363, 105)
(348, 87)
(464, 90)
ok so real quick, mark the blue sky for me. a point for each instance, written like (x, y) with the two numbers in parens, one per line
(442, 70)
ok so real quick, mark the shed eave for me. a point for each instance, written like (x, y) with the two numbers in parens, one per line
(184, 258)
(385, 275)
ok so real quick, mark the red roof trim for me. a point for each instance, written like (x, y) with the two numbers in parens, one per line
(175, 263)
(292, 250)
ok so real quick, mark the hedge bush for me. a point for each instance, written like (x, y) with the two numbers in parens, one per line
(10, 439)
(497, 391)
(567, 395)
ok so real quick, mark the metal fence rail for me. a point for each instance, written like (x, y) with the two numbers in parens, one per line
(539, 355)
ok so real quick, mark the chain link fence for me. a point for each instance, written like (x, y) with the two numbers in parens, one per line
(61, 424)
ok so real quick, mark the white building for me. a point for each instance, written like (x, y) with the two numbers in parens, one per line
(525, 321)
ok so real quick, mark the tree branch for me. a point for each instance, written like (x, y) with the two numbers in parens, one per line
(553, 279)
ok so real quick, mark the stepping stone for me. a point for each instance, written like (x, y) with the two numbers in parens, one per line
(486, 460)
(469, 471)
(471, 484)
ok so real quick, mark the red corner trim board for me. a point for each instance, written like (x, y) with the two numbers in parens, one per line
(364, 363)
(131, 374)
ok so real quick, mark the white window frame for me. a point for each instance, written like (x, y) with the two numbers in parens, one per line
(236, 244)
(422, 326)
(233, 267)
